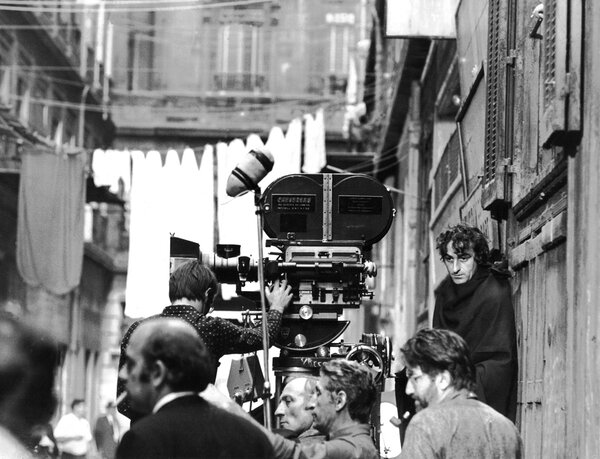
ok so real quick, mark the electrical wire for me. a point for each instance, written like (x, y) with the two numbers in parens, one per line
(327, 106)
(39, 7)
(94, 3)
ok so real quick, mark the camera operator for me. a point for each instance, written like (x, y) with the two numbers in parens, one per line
(192, 288)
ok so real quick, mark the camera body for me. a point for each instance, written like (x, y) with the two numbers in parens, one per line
(323, 227)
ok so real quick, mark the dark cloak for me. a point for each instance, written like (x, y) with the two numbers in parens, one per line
(481, 312)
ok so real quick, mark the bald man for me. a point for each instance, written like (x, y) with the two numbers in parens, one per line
(166, 367)
(293, 413)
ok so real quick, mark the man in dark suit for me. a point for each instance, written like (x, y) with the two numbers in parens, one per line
(106, 432)
(166, 367)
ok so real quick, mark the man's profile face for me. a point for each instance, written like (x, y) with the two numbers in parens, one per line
(292, 409)
(139, 388)
(461, 266)
(322, 405)
(422, 388)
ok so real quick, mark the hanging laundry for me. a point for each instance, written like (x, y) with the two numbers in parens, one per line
(148, 267)
(204, 201)
(314, 143)
(293, 138)
(112, 168)
(50, 220)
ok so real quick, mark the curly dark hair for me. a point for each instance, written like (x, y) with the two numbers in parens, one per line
(356, 381)
(437, 350)
(463, 238)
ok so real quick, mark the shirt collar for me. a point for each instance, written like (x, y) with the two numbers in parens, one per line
(460, 394)
(170, 397)
(352, 429)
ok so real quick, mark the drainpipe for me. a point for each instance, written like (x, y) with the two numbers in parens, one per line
(84, 93)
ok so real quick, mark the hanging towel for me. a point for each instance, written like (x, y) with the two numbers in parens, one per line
(277, 146)
(293, 138)
(314, 143)
(50, 220)
(112, 168)
(254, 141)
(147, 289)
(204, 201)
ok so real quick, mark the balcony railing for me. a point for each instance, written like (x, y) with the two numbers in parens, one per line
(251, 82)
(327, 84)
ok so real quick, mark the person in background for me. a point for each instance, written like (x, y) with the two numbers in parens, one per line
(450, 421)
(192, 288)
(73, 433)
(294, 416)
(43, 444)
(107, 432)
(28, 362)
(167, 366)
(474, 300)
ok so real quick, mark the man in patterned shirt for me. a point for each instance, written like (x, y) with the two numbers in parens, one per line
(192, 288)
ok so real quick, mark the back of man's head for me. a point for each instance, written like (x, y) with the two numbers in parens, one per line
(193, 281)
(177, 345)
(28, 362)
(436, 351)
(463, 238)
(356, 381)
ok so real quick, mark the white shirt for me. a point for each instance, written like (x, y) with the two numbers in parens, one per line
(68, 426)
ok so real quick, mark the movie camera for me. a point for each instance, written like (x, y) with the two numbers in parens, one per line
(323, 227)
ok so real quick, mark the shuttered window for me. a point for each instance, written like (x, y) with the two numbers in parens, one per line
(560, 119)
(495, 82)
(499, 107)
(549, 53)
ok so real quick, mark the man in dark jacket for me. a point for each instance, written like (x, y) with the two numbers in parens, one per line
(106, 432)
(167, 365)
(474, 301)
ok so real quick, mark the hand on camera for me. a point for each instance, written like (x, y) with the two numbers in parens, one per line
(279, 295)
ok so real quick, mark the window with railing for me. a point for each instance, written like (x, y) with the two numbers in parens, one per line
(240, 58)
(141, 55)
(239, 82)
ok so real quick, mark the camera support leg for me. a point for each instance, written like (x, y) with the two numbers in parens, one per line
(266, 395)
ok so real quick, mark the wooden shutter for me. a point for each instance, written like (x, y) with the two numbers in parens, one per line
(499, 91)
(560, 121)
